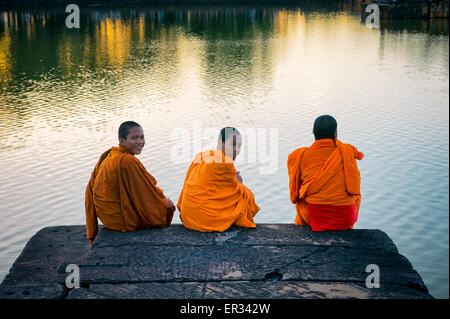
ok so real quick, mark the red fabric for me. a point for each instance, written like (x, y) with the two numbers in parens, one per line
(332, 217)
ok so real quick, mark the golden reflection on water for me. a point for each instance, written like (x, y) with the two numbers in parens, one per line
(113, 38)
(141, 26)
(206, 55)
(198, 52)
(111, 41)
(285, 22)
(5, 63)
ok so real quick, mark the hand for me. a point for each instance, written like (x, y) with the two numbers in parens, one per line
(170, 210)
(170, 205)
(238, 176)
(91, 241)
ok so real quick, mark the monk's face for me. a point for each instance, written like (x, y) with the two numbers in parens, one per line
(232, 146)
(135, 140)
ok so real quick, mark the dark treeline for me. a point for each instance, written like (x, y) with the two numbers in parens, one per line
(50, 3)
(53, 3)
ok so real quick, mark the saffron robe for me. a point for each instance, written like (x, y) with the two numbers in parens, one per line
(212, 199)
(123, 195)
(325, 173)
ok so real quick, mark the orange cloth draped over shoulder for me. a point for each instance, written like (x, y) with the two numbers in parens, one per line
(212, 199)
(123, 195)
(325, 175)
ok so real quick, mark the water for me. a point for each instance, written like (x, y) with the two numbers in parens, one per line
(64, 93)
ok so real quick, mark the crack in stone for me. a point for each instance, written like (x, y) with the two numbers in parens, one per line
(273, 276)
(224, 239)
(87, 266)
(66, 291)
(203, 290)
(143, 244)
(321, 250)
(277, 275)
(120, 282)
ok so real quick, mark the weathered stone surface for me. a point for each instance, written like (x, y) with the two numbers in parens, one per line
(243, 290)
(51, 291)
(169, 290)
(186, 263)
(174, 235)
(265, 234)
(271, 261)
(293, 235)
(45, 256)
(310, 290)
(351, 264)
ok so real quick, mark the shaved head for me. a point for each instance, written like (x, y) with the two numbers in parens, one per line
(226, 132)
(125, 127)
(230, 141)
(325, 126)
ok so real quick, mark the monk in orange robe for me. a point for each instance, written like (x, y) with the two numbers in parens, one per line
(213, 196)
(324, 180)
(121, 192)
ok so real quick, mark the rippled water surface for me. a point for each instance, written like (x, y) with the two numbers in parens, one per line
(64, 92)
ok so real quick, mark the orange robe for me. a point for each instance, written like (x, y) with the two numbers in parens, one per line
(325, 173)
(212, 199)
(123, 195)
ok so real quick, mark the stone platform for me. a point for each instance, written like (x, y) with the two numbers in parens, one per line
(272, 261)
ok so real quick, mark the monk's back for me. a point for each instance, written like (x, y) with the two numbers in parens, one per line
(315, 157)
(210, 168)
(212, 199)
(313, 160)
(106, 186)
(106, 191)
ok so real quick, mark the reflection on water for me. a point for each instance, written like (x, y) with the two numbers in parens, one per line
(63, 93)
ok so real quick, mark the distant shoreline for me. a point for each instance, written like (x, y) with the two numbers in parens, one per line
(105, 3)
(388, 10)
(94, 3)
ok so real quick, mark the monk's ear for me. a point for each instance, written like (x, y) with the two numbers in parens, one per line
(335, 134)
(121, 140)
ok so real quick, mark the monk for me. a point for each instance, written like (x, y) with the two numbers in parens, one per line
(121, 192)
(213, 197)
(324, 180)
